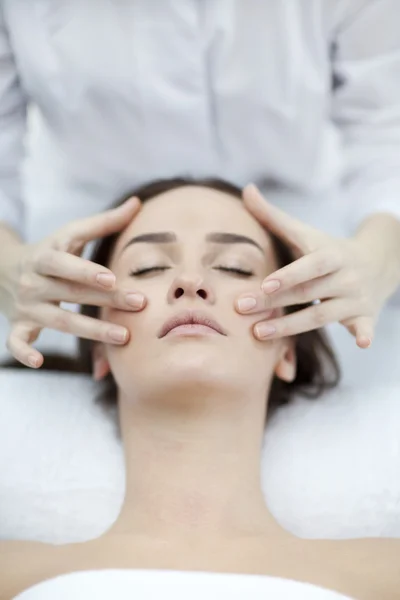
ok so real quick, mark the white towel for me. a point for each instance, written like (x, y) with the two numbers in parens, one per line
(330, 467)
(148, 584)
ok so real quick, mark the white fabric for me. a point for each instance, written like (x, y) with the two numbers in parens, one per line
(129, 91)
(179, 585)
(330, 468)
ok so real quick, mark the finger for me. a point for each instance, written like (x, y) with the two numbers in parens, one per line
(105, 223)
(63, 265)
(322, 288)
(289, 229)
(307, 319)
(62, 291)
(302, 272)
(81, 326)
(362, 328)
(314, 265)
(18, 344)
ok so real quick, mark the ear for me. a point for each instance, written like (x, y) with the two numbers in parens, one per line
(101, 366)
(286, 366)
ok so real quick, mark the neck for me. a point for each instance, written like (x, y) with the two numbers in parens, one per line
(193, 468)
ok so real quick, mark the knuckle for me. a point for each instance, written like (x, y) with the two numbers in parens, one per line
(62, 322)
(303, 291)
(26, 286)
(347, 280)
(81, 295)
(323, 265)
(13, 345)
(365, 303)
(20, 311)
(63, 239)
(351, 279)
(88, 274)
(45, 257)
(76, 292)
(68, 239)
(96, 331)
(319, 315)
(103, 333)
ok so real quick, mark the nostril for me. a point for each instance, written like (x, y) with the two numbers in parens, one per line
(178, 292)
(202, 294)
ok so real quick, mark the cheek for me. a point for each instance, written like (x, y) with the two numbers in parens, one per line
(124, 318)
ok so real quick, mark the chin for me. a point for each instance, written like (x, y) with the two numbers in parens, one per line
(193, 363)
(184, 372)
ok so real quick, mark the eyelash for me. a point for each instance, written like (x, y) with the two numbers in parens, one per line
(240, 272)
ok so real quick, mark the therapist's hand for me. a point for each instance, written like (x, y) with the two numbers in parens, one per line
(43, 275)
(346, 275)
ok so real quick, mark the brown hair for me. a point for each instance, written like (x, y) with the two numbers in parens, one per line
(317, 366)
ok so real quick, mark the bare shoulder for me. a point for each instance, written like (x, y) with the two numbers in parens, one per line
(21, 563)
(374, 561)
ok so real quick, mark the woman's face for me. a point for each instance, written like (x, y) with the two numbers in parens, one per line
(192, 251)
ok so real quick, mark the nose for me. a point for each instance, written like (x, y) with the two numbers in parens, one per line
(191, 286)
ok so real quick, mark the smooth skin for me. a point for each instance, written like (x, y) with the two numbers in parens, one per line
(192, 411)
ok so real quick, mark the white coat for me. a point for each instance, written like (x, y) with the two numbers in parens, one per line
(302, 94)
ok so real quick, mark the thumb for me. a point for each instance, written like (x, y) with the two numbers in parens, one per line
(290, 230)
(105, 223)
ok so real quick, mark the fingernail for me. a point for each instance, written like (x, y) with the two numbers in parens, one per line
(365, 342)
(118, 335)
(132, 200)
(106, 280)
(135, 300)
(271, 286)
(246, 304)
(33, 361)
(265, 330)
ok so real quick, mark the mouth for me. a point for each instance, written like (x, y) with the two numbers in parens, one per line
(192, 323)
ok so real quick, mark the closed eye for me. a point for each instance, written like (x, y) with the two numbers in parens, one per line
(140, 272)
(234, 270)
(241, 272)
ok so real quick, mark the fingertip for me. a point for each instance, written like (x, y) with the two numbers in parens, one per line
(136, 301)
(364, 342)
(246, 304)
(131, 203)
(35, 361)
(249, 190)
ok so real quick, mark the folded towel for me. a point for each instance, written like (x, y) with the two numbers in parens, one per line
(143, 584)
(330, 468)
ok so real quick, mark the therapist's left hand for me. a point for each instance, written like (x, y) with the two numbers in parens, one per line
(346, 275)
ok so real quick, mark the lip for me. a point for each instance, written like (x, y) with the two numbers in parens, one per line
(191, 318)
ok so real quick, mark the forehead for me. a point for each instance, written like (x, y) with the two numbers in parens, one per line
(194, 211)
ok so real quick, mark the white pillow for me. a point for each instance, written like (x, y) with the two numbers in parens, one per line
(330, 467)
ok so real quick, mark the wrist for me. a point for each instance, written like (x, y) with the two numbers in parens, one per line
(380, 236)
(10, 259)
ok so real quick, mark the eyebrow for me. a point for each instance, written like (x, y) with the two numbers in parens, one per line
(167, 237)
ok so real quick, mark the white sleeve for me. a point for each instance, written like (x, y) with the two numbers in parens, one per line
(366, 106)
(13, 108)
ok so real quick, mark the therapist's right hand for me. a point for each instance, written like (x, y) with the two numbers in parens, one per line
(44, 274)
